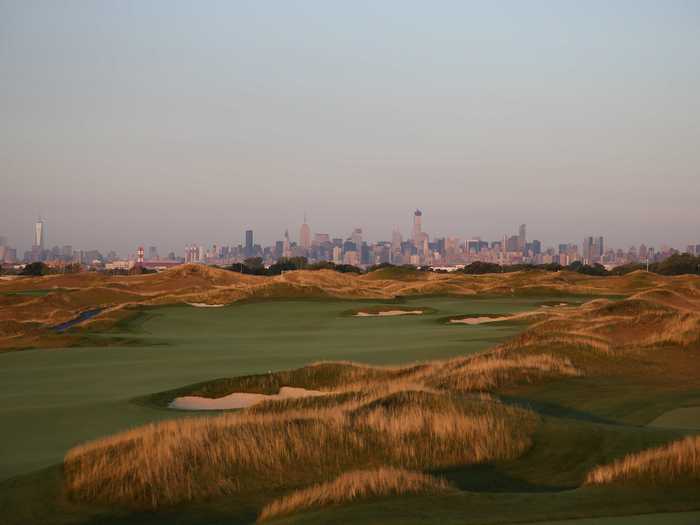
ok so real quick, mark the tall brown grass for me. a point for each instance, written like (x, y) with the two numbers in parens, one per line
(682, 329)
(355, 485)
(196, 458)
(487, 372)
(609, 328)
(673, 463)
(419, 416)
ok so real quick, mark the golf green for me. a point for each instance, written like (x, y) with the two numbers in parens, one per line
(51, 400)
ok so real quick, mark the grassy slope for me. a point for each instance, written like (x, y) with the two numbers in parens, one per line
(479, 509)
(538, 486)
(587, 420)
(69, 295)
(56, 399)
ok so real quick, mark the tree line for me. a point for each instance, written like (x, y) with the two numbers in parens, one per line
(677, 264)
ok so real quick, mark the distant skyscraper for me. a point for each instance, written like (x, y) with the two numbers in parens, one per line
(513, 244)
(337, 255)
(305, 235)
(522, 239)
(587, 249)
(39, 234)
(396, 240)
(192, 253)
(593, 249)
(286, 249)
(248, 243)
(356, 237)
(417, 228)
(321, 238)
(152, 253)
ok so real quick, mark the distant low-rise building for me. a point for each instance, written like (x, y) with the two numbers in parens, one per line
(119, 265)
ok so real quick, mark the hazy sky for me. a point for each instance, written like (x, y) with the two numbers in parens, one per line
(164, 122)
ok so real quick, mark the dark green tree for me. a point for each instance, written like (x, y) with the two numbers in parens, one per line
(35, 269)
(481, 267)
(677, 264)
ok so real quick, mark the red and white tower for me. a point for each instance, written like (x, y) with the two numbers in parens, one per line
(139, 255)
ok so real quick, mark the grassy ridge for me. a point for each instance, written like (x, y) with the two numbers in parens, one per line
(198, 458)
(589, 371)
(671, 464)
(72, 294)
(359, 484)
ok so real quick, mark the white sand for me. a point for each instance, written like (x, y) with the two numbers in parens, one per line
(484, 319)
(239, 399)
(478, 320)
(205, 305)
(388, 313)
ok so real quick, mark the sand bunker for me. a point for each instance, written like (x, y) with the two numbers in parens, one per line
(686, 418)
(490, 319)
(389, 313)
(239, 399)
(479, 320)
(205, 305)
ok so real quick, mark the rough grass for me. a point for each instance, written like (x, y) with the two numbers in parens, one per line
(488, 372)
(355, 485)
(417, 417)
(677, 462)
(475, 373)
(197, 458)
(616, 327)
(73, 293)
(324, 376)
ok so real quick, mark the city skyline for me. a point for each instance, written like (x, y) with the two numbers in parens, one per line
(418, 248)
(167, 122)
(410, 231)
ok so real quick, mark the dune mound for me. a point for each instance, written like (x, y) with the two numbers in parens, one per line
(356, 485)
(244, 451)
(677, 462)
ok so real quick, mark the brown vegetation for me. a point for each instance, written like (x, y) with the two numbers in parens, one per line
(415, 417)
(423, 416)
(617, 327)
(73, 293)
(490, 371)
(195, 458)
(352, 486)
(677, 462)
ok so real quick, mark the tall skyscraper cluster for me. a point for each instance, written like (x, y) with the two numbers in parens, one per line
(417, 249)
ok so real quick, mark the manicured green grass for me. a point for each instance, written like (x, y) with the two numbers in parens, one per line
(36, 293)
(468, 508)
(669, 518)
(30, 293)
(55, 399)
(542, 485)
(684, 417)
